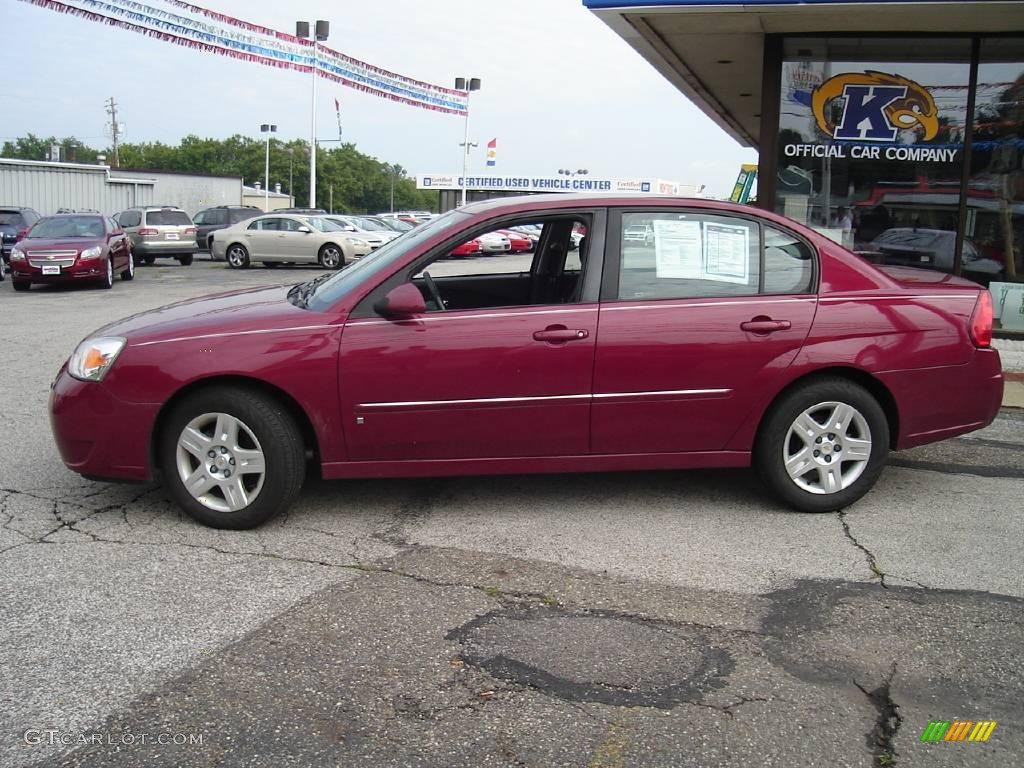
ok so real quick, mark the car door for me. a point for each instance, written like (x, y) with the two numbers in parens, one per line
(263, 238)
(294, 244)
(511, 379)
(694, 328)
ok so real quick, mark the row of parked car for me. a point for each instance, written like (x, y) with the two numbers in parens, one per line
(86, 245)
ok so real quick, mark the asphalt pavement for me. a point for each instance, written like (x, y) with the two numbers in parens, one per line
(633, 619)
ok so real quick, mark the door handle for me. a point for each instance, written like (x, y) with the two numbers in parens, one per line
(559, 334)
(764, 325)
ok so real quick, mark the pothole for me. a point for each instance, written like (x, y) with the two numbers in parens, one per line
(596, 656)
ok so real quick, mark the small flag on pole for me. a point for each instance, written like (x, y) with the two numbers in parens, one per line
(337, 108)
(492, 152)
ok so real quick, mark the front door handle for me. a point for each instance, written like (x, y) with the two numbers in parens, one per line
(559, 334)
(764, 325)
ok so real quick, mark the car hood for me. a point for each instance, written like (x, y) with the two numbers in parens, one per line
(32, 244)
(255, 309)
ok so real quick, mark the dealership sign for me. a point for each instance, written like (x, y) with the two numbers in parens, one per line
(866, 113)
(557, 184)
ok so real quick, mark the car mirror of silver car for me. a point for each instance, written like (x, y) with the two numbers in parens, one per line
(305, 230)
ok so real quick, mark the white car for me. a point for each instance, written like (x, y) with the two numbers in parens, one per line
(286, 238)
(494, 242)
(374, 234)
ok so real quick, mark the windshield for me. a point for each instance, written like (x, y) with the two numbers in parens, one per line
(325, 225)
(379, 261)
(168, 219)
(67, 226)
(398, 226)
(370, 225)
(10, 219)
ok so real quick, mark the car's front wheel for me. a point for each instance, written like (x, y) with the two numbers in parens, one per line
(231, 457)
(129, 272)
(823, 446)
(237, 257)
(332, 257)
(107, 280)
(21, 285)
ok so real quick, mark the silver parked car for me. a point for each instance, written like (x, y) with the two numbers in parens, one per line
(366, 229)
(276, 238)
(157, 231)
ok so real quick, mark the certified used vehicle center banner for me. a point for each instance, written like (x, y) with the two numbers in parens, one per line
(559, 184)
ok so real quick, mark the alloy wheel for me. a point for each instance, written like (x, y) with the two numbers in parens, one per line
(827, 448)
(220, 462)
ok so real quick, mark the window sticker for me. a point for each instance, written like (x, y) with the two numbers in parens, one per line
(726, 253)
(677, 249)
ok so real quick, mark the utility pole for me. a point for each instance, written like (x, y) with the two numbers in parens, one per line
(115, 132)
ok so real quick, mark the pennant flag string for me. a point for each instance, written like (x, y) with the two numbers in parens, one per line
(280, 50)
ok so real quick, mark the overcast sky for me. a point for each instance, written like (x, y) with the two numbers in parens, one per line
(560, 89)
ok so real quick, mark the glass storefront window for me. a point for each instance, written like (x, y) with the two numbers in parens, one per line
(995, 196)
(871, 144)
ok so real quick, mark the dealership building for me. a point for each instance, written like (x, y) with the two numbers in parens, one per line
(894, 127)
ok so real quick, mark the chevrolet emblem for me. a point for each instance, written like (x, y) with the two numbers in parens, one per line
(49, 257)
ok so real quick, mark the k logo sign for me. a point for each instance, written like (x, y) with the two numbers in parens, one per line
(876, 107)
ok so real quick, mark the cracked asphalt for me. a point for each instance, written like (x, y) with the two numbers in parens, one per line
(666, 619)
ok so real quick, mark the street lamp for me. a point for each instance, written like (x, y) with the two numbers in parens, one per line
(321, 29)
(570, 173)
(466, 84)
(268, 129)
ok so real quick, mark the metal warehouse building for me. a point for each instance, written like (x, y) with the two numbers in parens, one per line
(47, 187)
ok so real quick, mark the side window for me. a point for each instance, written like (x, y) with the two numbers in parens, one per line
(130, 218)
(521, 264)
(199, 218)
(686, 255)
(788, 263)
(266, 225)
(216, 216)
(289, 225)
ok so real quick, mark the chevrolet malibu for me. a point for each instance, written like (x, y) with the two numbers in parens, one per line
(735, 337)
(72, 248)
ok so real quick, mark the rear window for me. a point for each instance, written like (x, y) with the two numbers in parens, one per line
(168, 219)
(11, 219)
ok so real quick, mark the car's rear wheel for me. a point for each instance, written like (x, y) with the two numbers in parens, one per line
(21, 285)
(107, 280)
(231, 457)
(149, 260)
(186, 260)
(237, 256)
(823, 446)
(129, 273)
(331, 257)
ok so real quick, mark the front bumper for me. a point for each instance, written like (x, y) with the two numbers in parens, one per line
(94, 269)
(97, 433)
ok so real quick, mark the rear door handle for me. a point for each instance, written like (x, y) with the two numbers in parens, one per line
(765, 325)
(560, 334)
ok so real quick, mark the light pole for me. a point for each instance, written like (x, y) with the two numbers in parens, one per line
(321, 29)
(393, 172)
(468, 85)
(268, 129)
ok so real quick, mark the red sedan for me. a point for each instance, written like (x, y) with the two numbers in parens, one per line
(737, 337)
(72, 248)
(518, 242)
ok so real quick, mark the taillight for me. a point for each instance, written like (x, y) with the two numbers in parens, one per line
(147, 231)
(981, 320)
(21, 234)
(190, 230)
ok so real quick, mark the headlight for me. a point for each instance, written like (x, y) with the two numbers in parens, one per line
(93, 357)
(92, 253)
(17, 254)
(357, 242)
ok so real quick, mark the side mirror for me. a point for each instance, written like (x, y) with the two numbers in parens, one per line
(305, 230)
(403, 301)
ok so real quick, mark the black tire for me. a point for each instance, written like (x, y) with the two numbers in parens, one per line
(129, 274)
(331, 256)
(107, 281)
(775, 441)
(186, 259)
(209, 246)
(148, 260)
(237, 256)
(278, 438)
(21, 285)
